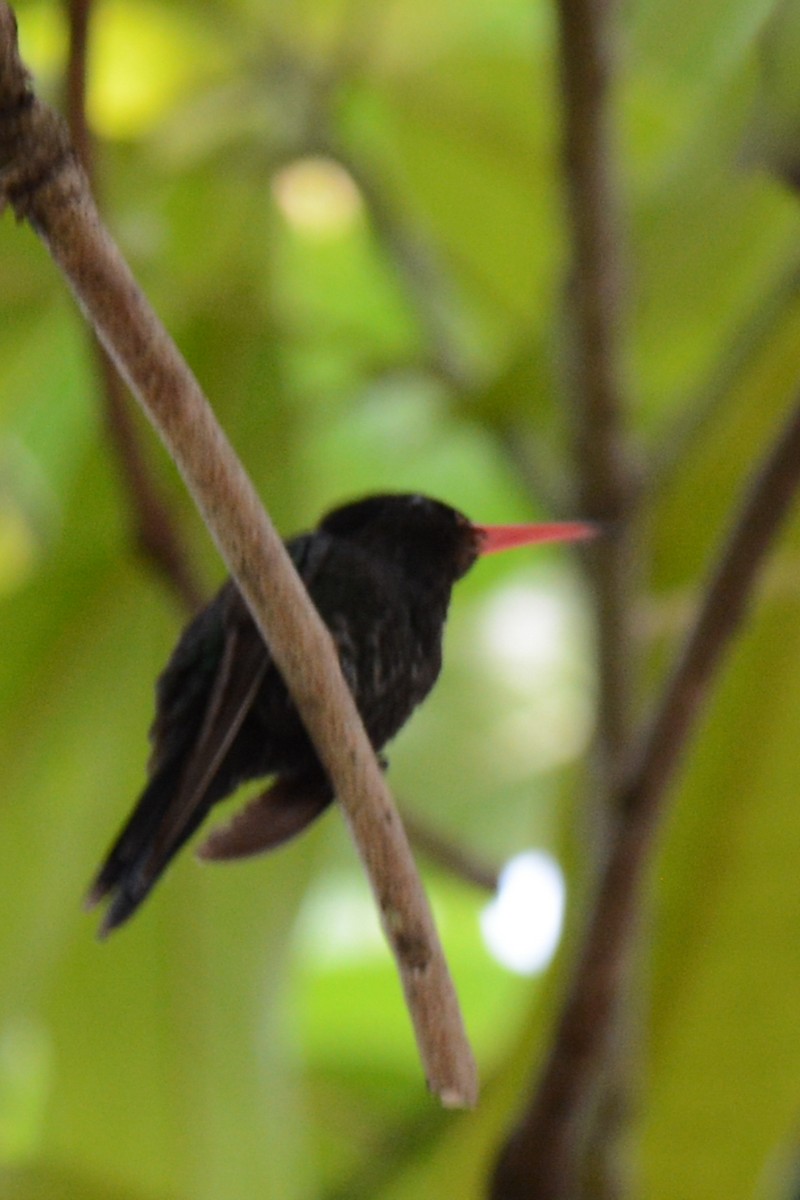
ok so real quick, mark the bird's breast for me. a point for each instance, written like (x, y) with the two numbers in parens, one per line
(393, 668)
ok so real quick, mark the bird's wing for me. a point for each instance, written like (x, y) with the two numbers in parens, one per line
(220, 674)
(241, 672)
(213, 676)
(185, 761)
(204, 696)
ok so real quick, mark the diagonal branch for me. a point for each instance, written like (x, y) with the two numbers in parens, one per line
(533, 469)
(427, 286)
(536, 1160)
(154, 530)
(765, 507)
(41, 179)
(449, 855)
(700, 414)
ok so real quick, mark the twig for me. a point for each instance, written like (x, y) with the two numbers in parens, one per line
(605, 473)
(765, 507)
(538, 478)
(79, 14)
(536, 1160)
(42, 180)
(545, 1156)
(154, 530)
(427, 286)
(700, 412)
(449, 855)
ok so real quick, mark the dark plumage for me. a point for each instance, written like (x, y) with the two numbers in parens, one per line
(380, 572)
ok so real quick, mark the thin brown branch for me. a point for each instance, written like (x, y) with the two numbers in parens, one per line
(535, 474)
(699, 414)
(538, 1159)
(79, 14)
(447, 854)
(546, 1155)
(603, 457)
(41, 179)
(765, 507)
(426, 284)
(154, 531)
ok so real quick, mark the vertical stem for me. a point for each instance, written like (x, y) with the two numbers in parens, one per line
(545, 1154)
(154, 531)
(605, 479)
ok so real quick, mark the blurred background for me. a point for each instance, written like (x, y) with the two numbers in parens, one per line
(350, 216)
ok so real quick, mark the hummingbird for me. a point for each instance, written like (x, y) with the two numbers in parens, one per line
(380, 571)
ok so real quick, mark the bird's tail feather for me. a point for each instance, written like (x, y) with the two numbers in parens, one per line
(136, 859)
(140, 853)
(273, 817)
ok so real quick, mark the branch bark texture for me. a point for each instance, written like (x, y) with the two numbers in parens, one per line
(41, 179)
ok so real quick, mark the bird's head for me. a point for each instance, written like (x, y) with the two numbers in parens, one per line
(434, 543)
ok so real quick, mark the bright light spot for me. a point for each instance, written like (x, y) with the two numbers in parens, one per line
(525, 628)
(338, 924)
(522, 925)
(144, 58)
(317, 196)
(534, 642)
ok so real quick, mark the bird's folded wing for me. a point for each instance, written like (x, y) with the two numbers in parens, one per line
(235, 688)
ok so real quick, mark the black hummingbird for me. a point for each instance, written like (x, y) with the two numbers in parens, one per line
(380, 572)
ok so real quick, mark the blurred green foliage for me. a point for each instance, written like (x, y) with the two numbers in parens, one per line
(396, 323)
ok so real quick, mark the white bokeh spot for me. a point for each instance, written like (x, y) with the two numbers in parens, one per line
(522, 925)
(532, 637)
(526, 629)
